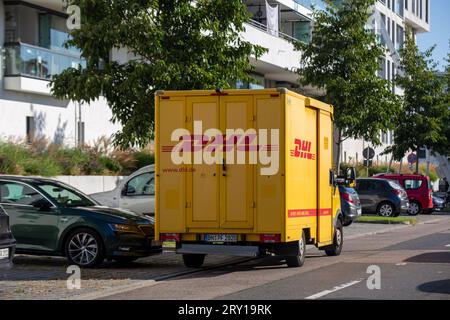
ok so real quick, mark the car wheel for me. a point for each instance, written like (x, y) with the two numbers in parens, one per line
(386, 209)
(84, 247)
(193, 260)
(298, 260)
(338, 241)
(125, 260)
(414, 208)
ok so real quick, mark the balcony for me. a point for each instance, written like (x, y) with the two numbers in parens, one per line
(27, 66)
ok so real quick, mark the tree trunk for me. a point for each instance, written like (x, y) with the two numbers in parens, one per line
(390, 164)
(417, 161)
(428, 163)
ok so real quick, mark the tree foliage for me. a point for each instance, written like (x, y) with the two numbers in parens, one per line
(173, 45)
(343, 58)
(424, 118)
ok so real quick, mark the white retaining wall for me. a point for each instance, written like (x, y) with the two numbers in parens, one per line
(91, 184)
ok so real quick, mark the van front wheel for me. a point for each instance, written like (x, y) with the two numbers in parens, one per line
(299, 259)
(193, 260)
(338, 241)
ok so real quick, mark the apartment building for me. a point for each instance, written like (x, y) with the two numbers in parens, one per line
(32, 34)
(390, 20)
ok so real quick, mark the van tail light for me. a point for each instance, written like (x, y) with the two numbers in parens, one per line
(347, 198)
(164, 237)
(270, 238)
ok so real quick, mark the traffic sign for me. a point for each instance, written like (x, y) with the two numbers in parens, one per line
(412, 158)
(368, 153)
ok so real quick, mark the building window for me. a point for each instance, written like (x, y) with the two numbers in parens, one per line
(421, 9)
(427, 8)
(31, 129)
(81, 136)
(406, 4)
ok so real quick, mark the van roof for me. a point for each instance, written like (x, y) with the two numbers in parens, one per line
(218, 92)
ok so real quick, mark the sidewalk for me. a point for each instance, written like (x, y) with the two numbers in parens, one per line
(45, 277)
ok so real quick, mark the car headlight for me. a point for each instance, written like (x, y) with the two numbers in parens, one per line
(125, 228)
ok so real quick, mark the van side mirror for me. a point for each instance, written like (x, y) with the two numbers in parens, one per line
(332, 178)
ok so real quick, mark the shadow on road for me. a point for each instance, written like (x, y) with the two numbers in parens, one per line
(431, 257)
(440, 286)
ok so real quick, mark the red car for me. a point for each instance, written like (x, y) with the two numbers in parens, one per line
(418, 188)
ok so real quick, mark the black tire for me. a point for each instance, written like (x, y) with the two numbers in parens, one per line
(125, 260)
(298, 260)
(338, 241)
(386, 209)
(94, 257)
(418, 208)
(193, 260)
(348, 223)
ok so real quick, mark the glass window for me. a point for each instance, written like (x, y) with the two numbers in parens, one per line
(143, 184)
(413, 184)
(66, 197)
(16, 193)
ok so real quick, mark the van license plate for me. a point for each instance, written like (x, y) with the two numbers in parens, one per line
(221, 238)
(4, 253)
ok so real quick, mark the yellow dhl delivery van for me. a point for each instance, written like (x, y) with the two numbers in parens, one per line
(245, 173)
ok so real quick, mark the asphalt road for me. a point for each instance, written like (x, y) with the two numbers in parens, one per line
(406, 263)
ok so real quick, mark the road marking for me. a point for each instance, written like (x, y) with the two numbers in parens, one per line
(448, 245)
(401, 264)
(337, 288)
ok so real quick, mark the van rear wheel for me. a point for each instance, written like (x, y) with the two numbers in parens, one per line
(338, 241)
(299, 259)
(193, 260)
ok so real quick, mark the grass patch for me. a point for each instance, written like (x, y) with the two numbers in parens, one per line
(387, 220)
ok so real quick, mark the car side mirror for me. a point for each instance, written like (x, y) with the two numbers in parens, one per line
(42, 205)
(128, 190)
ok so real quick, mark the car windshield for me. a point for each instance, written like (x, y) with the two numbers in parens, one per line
(66, 196)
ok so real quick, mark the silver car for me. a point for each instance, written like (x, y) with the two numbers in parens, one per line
(135, 193)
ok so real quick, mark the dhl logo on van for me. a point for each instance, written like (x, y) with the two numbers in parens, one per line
(235, 146)
(303, 150)
(239, 142)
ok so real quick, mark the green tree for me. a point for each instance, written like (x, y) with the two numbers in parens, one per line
(424, 117)
(343, 59)
(174, 45)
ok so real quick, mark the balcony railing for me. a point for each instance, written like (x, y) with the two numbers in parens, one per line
(318, 4)
(282, 35)
(36, 62)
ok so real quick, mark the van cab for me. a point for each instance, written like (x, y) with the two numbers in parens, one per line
(418, 188)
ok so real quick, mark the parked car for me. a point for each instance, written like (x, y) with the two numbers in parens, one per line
(7, 242)
(135, 193)
(438, 203)
(350, 205)
(381, 196)
(51, 218)
(418, 188)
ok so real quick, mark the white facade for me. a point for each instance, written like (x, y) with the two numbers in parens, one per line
(26, 106)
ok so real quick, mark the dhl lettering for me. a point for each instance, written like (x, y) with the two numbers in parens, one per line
(302, 150)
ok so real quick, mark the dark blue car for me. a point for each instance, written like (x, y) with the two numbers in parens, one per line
(350, 205)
